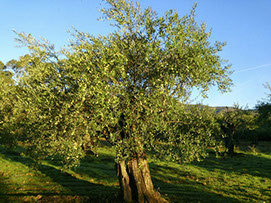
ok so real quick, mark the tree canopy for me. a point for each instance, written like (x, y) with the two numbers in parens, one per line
(128, 87)
(123, 86)
(264, 107)
(6, 101)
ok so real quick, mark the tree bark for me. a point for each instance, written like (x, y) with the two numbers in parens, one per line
(135, 181)
(229, 143)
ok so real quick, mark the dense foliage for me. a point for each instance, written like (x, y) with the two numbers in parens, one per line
(12, 114)
(6, 102)
(122, 87)
(264, 120)
(129, 88)
(234, 124)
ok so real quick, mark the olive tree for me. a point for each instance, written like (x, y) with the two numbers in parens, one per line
(129, 88)
(6, 100)
(263, 109)
(10, 108)
(230, 120)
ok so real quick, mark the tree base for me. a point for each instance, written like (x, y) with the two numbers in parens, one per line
(135, 182)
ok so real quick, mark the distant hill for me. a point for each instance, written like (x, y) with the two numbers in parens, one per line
(227, 108)
(223, 108)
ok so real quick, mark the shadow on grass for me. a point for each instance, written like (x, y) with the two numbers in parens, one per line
(3, 188)
(240, 163)
(75, 187)
(175, 189)
(101, 169)
(183, 190)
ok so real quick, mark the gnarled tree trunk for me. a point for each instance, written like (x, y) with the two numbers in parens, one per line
(135, 181)
(229, 144)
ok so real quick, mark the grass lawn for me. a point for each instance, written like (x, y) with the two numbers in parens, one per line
(245, 177)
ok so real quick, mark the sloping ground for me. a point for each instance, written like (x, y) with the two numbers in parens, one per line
(21, 179)
(243, 178)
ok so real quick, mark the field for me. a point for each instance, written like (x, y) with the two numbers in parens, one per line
(245, 177)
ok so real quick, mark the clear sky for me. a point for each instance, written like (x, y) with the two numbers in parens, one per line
(244, 24)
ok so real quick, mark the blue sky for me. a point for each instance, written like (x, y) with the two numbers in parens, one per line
(244, 24)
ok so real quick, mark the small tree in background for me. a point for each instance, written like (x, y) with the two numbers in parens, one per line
(264, 120)
(125, 87)
(230, 120)
(11, 111)
(6, 101)
(264, 107)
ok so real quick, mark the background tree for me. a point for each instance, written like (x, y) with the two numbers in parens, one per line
(125, 87)
(229, 121)
(250, 130)
(233, 122)
(6, 103)
(264, 107)
(264, 119)
(11, 113)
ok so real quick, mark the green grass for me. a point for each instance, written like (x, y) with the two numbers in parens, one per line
(242, 178)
